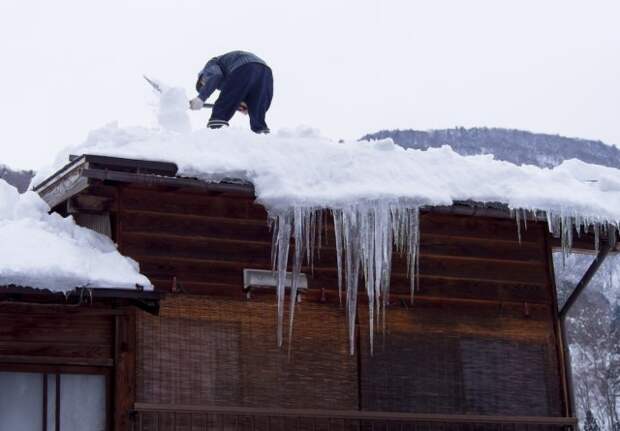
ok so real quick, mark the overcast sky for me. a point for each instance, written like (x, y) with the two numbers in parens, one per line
(344, 67)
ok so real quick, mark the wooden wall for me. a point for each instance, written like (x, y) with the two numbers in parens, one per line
(205, 240)
(49, 335)
(76, 339)
(483, 327)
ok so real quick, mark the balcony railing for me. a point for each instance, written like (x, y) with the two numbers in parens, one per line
(160, 417)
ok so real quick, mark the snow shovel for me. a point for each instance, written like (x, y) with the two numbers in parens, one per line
(157, 88)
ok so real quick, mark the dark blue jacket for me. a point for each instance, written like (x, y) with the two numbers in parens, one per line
(217, 70)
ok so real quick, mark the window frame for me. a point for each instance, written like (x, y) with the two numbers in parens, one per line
(56, 370)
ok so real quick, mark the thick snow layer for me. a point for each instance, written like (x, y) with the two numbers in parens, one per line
(301, 168)
(373, 189)
(47, 251)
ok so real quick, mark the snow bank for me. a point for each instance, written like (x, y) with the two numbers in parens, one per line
(47, 251)
(373, 189)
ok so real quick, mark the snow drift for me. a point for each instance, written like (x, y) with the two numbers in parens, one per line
(374, 190)
(47, 251)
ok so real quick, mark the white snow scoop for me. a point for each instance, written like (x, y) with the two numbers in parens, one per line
(156, 86)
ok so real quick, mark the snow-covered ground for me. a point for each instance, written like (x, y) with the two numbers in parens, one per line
(47, 251)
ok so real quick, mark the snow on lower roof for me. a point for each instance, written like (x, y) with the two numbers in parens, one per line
(373, 189)
(47, 251)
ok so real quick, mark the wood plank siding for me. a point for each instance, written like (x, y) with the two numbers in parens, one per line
(481, 338)
(43, 337)
(482, 327)
(52, 338)
(206, 240)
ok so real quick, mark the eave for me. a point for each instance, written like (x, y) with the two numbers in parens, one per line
(145, 300)
(86, 170)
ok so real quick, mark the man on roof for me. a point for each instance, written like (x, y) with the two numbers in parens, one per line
(245, 83)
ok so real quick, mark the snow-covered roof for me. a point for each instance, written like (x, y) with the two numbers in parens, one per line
(47, 251)
(302, 168)
(374, 189)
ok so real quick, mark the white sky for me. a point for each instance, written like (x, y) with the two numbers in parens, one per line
(344, 67)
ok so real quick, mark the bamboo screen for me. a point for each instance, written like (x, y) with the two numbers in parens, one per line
(434, 358)
(223, 352)
(462, 359)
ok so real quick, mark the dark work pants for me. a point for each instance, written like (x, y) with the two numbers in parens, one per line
(251, 83)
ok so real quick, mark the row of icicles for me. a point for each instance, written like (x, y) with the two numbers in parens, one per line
(365, 237)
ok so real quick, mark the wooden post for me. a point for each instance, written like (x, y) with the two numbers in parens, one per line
(124, 370)
(563, 354)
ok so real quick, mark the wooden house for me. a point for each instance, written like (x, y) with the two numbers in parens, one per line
(482, 346)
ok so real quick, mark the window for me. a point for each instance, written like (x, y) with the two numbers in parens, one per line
(33, 401)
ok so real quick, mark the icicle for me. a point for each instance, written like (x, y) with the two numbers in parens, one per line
(381, 232)
(299, 221)
(365, 236)
(273, 226)
(282, 243)
(313, 221)
(612, 237)
(319, 232)
(597, 236)
(337, 215)
(550, 222)
(518, 225)
(413, 245)
(367, 225)
(307, 231)
(351, 245)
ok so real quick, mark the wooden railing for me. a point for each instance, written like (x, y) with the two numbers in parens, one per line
(160, 417)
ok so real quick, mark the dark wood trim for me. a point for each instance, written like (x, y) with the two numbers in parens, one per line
(96, 292)
(53, 360)
(53, 368)
(133, 165)
(45, 376)
(583, 245)
(153, 180)
(567, 367)
(355, 415)
(84, 301)
(124, 382)
(57, 403)
(561, 348)
(154, 167)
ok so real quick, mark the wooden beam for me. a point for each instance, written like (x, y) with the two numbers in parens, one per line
(330, 294)
(56, 360)
(585, 280)
(154, 180)
(354, 415)
(125, 370)
(561, 348)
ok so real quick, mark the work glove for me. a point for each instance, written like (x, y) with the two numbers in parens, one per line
(196, 104)
(243, 108)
